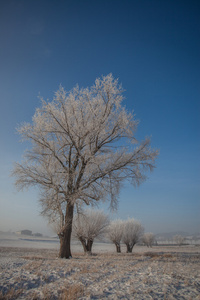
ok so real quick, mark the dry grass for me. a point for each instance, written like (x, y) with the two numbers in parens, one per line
(159, 255)
(72, 292)
(11, 294)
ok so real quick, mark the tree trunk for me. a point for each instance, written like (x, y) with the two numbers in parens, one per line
(83, 242)
(89, 246)
(128, 248)
(118, 248)
(65, 235)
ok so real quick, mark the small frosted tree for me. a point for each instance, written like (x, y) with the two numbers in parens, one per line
(88, 226)
(132, 232)
(148, 239)
(179, 239)
(76, 156)
(115, 233)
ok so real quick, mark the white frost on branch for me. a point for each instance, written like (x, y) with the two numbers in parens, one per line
(179, 239)
(74, 144)
(148, 239)
(89, 225)
(133, 230)
(115, 233)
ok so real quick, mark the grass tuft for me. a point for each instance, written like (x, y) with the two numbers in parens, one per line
(10, 294)
(72, 292)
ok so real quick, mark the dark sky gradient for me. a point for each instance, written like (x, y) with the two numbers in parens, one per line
(153, 47)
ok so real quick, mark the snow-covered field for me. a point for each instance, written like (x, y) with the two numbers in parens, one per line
(30, 269)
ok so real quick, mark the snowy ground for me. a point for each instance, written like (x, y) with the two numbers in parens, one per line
(29, 271)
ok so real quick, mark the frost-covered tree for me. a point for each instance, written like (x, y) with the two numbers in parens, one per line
(148, 239)
(179, 239)
(115, 232)
(89, 225)
(132, 233)
(83, 148)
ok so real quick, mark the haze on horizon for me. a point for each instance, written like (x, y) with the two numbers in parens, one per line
(154, 49)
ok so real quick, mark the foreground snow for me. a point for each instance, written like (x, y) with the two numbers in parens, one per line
(160, 273)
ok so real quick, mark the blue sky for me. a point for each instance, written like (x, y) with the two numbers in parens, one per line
(153, 47)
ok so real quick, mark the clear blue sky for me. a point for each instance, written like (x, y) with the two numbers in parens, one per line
(153, 47)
